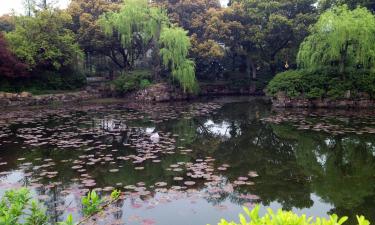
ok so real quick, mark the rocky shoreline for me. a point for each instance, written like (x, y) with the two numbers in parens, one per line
(282, 101)
(27, 99)
(163, 92)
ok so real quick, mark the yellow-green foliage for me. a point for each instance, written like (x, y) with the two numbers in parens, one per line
(288, 218)
(343, 38)
(175, 49)
(136, 20)
(44, 39)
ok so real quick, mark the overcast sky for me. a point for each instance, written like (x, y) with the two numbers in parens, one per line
(6, 6)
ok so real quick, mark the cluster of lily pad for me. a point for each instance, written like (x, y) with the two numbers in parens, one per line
(101, 140)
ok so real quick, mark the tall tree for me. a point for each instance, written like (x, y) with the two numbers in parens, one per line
(29, 6)
(43, 41)
(193, 15)
(341, 38)
(352, 4)
(90, 36)
(10, 66)
(139, 27)
(277, 27)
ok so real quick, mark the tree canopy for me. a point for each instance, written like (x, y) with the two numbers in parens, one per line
(138, 24)
(343, 38)
(44, 40)
(10, 66)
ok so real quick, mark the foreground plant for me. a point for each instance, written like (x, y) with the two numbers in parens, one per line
(17, 205)
(288, 218)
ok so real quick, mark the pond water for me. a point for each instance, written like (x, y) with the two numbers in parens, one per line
(191, 163)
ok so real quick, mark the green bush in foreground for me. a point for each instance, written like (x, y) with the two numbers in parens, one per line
(288, 218)
(17, 205)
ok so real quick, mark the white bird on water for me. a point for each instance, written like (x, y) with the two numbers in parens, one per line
(155, 137)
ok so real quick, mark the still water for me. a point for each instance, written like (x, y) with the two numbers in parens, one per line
(191, 163)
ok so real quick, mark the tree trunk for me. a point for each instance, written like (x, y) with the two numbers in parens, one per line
(156, 62)
(273, 66)
(234, 62)
(251, 68)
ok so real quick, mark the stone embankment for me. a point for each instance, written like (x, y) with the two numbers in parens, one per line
(361, 101)
(163, 92)
(27, 99)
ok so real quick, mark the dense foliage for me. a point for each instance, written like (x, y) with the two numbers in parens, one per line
(141, 27)
(10, 66)
(342, 38)
(44, 41)
(175, 48)
(131, 81)
(336, 61)
(17, 207)
(288, 218)
(193, 41)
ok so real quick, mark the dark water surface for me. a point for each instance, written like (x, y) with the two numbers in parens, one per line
(191, 163)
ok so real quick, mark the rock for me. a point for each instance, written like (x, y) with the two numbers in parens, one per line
(27, 99)
(8, 95)
(282, 101)
(25, 94)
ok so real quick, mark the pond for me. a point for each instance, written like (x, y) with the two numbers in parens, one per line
(191, 163)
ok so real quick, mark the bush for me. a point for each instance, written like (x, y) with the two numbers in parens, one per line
(17, 206)
(46, 81)
(290, 82)
(288, 218)
(132, 81)
(322, 83)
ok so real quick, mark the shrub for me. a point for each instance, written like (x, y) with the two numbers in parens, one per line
(322, 83)
(132, 81)
(288, 218)
(289, 82)
(17, 206)
(91, 203)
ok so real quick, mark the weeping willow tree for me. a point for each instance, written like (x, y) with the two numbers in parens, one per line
(140, 27)
(343, 39)
(176, 45)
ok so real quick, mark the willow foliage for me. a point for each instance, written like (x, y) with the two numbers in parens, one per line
(175, 49)
(135, 20)
(341, 38)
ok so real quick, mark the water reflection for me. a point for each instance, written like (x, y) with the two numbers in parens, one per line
(231, 153)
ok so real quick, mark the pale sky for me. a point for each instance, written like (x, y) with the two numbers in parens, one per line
(6, 6)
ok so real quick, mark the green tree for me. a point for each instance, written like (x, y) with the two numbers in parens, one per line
(341, 38)
(140, 27)
(193, 16)
(176, 45)
(326, 4)
(101, 52)
(276, 28)
(44, 41)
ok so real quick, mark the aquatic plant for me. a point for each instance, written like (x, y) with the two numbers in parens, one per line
(91, 203)
(17, 204)
(287, 218)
